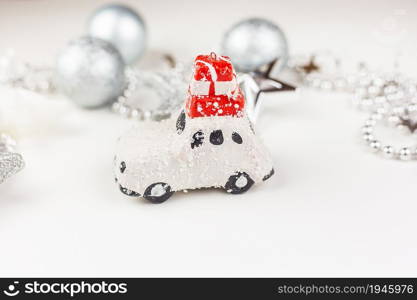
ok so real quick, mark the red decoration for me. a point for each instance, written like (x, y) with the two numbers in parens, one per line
(213, 89)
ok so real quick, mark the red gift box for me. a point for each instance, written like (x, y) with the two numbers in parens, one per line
(213, 90)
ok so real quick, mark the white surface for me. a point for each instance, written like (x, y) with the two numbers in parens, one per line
(332, 209)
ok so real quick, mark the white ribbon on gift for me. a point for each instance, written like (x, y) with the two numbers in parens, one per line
(202, 88)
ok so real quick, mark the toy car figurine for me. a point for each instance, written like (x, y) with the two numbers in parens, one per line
(209, 144)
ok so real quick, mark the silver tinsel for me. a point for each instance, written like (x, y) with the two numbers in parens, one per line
(253, 43)
(10, 162)
(121, 26)
(18, 74)
(170, 87)
(91, 72)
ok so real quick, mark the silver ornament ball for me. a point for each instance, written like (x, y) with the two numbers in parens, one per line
(91, 72)
(253, 43)
(121, 26)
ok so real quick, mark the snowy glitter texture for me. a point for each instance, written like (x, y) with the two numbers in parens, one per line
(10, 162)
(195, 149)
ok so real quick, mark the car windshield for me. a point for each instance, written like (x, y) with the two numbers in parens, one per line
(181, 122)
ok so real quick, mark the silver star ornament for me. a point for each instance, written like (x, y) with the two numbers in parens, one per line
(258, 82)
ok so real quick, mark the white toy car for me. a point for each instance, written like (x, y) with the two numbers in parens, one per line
(158, 160)
(182, 153)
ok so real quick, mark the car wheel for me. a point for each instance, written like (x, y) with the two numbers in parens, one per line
(238, 183)
(128, 192)
(158, 192)
(269, 175)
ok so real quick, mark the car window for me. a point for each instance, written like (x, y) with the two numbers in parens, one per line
(216, 137)
(181, 122)
(237, 138)
(122, 167)
(251, 127)
(197, 139)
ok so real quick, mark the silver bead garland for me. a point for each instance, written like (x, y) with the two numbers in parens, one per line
(18, 74)
(392, 101)
(390, 98)
(391, 119)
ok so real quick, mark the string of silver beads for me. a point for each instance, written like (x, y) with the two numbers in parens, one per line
(404, 153)
(391, 98)
(19, 74)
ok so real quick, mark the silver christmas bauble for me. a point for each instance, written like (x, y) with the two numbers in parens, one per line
(253, 43)
(121, 26)
(91, 72)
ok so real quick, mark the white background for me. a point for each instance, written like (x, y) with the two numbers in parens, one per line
(332, 209)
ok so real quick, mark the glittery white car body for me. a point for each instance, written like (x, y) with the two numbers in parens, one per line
(157, 159)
